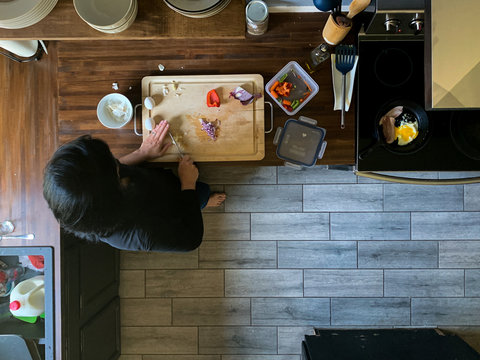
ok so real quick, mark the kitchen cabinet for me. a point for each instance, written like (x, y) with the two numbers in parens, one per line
(452, 54)
(91, 314)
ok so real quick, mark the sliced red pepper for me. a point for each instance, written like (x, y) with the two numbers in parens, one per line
(213, 100)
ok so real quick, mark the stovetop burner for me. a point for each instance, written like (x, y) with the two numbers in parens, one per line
(393, 58)
(391, 70)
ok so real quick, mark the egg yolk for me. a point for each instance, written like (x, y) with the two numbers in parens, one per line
(405, 133)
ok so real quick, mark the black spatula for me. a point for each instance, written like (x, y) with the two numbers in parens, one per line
(344, 61)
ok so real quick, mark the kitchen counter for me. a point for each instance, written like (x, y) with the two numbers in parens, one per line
(86, 73)
(83, 71)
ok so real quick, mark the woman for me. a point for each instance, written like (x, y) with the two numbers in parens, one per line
(97, 197)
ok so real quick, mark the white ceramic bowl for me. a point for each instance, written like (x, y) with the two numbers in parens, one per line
(105, 114)
(103, 12)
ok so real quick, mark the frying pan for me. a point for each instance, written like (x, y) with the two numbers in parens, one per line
(412, 147)
(465, 132)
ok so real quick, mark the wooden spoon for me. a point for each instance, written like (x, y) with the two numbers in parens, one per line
(356, 7)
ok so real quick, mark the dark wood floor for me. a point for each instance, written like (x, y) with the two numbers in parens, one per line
(28, 137)
(28, 115)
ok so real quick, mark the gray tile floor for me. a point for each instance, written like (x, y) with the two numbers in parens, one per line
(290, 250)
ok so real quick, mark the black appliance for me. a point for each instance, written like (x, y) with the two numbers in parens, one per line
(391, 70)
(383, 344)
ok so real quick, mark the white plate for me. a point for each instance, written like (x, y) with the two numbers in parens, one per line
(32, 18)
(222, 5)
(33, 13)
(124, 26)
(121, 23)
(102, 12)
(15, 8)
(193, 5)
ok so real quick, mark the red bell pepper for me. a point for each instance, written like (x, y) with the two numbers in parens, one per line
(213, 100)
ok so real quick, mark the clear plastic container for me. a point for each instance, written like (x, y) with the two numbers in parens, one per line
(300, 142)
(302, 83)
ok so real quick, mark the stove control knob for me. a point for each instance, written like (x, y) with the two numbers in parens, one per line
(392, 26)
(416, 25)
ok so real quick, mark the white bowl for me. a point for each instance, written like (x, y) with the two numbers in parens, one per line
(105, 114)
(102, 12)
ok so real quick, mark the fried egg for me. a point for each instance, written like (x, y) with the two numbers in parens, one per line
(406, 132)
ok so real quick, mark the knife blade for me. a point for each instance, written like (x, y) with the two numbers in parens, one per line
(176, 145)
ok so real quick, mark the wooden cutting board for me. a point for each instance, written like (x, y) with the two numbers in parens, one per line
(240, 135)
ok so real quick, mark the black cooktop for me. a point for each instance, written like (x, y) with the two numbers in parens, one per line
(394, 70)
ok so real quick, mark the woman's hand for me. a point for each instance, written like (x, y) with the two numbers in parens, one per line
(152, 147)
(188, 173)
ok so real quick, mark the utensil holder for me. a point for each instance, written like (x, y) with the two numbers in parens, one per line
(333, 33)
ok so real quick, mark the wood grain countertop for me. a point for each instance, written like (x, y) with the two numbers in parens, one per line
(86, 71)
(154, 20)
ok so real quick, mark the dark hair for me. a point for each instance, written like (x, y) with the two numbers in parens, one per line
(82, 187)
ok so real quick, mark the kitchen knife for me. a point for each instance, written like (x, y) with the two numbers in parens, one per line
(176, 145)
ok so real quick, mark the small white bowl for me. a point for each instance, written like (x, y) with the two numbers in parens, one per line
(105, 115)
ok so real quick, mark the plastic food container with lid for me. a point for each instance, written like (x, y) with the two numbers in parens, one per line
(304, 88)
(300, 142)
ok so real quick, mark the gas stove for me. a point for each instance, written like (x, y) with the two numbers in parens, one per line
(391, 68)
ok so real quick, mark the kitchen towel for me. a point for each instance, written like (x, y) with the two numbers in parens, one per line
(23, 48)
(337, 85)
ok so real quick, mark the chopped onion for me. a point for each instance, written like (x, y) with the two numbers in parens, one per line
(244, 96)
(209, 128)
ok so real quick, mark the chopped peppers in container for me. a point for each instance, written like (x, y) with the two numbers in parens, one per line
(291, 88)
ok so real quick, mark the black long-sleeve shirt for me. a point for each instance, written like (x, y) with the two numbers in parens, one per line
(158, 215)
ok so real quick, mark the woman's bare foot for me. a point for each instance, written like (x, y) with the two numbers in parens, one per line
(216, 199)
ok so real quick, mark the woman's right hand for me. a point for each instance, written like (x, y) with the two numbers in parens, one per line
(188, 173)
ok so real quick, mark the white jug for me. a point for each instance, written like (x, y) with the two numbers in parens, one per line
(28, 297)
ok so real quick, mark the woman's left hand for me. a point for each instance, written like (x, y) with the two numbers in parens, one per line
(154, 145)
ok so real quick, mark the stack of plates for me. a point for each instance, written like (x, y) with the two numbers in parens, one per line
(17, 14)
(197, 8)
(107, 16)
